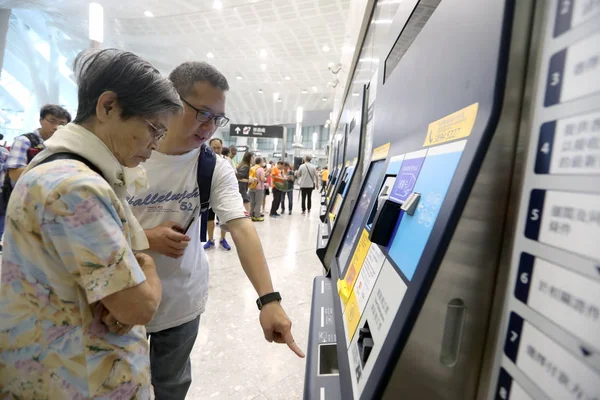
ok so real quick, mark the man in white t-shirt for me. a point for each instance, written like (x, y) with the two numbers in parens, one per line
(168, 205)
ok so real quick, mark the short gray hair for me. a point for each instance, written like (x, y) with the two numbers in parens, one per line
(187, 74)
(140, 88)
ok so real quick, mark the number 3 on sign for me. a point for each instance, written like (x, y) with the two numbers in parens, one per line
(555, 79)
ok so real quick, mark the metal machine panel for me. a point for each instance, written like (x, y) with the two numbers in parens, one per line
(433, 134)
(548, 344)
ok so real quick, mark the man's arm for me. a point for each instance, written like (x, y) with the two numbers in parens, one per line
(276, 325)
(16, 162)
(251, 254)
(15, 173)
(226, 202)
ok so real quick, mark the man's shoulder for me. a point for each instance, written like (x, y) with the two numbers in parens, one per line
(223, 171)
(21, 141)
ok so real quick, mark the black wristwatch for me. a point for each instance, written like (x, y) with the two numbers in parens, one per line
(267, 298)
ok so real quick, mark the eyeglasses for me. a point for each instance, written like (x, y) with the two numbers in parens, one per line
(206, 116)
(157, 134)
(55, 122)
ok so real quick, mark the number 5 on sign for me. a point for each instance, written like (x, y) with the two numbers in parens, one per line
(534, 220)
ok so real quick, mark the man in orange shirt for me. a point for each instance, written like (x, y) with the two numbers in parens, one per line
(278, 182)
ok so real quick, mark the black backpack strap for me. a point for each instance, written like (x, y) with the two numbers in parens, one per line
(71, 156)
(207, 160)
(33, 139)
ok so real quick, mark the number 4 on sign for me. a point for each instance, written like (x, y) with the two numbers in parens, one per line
(545, 148)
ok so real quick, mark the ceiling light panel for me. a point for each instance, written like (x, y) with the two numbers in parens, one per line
(292, 43)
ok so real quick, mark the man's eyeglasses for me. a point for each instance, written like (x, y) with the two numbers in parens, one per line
(157, 134)
(55, 122)
(206, 116)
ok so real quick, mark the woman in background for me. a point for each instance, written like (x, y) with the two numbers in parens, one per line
(257, 190)
(268, 184)
(243, 176)
(288, 187)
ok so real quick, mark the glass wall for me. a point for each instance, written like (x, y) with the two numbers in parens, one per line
(35, 71)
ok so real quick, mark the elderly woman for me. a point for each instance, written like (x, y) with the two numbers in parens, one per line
(75, 297)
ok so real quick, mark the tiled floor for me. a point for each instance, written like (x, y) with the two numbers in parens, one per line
(231, 359)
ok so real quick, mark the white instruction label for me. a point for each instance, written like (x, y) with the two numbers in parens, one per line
(571, 221)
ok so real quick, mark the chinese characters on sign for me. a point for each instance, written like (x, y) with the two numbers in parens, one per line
(576, 303)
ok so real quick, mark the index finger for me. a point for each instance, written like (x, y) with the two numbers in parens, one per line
(291, 343)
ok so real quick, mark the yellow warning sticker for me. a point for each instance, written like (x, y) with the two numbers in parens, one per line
(352, 315)
(343, 290)
(381, 152)
(457, 125)
(347, 163)
(358, 259)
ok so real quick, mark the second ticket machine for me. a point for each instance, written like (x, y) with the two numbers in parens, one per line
(470, 265)
(339, 191)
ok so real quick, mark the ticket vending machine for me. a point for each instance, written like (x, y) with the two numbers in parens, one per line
(345, 189)
(337, 162)
(410, 308)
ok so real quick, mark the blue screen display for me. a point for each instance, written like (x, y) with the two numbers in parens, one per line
(364, 203)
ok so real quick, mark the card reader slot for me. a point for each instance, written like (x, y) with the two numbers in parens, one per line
(328, 360)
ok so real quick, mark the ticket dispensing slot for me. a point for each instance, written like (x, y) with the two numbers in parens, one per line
(385, 219)
(328, 359)
(410, 205)
(365, 343)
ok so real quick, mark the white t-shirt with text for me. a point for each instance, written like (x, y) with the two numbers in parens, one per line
(172, 196)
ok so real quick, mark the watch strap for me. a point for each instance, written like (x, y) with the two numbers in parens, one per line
(267, 298)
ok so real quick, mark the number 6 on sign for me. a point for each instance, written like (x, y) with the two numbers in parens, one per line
(524, 278)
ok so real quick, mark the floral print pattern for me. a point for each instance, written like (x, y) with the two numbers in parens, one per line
(67, 247)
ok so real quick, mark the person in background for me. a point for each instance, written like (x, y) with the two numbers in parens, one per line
(226, 154)
(181, 262)
(217, 145)
(74, 294)
(324, 177)
(3, 157)
(307, 180)
(268, 185)
(287, 188)
(25, 147)
(233, 154)
(243, 177)
(278, 183)
(258, 190)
